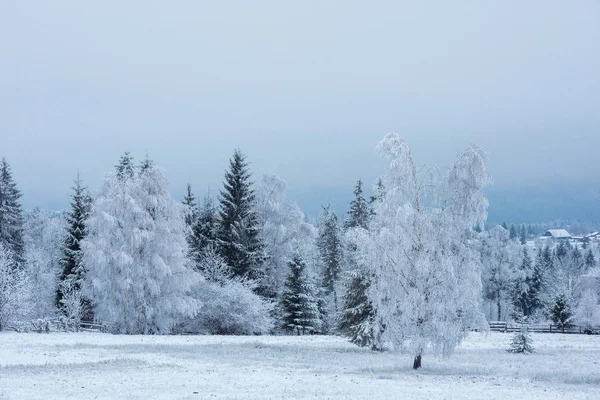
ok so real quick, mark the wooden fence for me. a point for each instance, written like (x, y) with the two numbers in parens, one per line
(503, 326)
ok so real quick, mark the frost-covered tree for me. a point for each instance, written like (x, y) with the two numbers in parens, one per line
(15, 290)
(588, 314)
(499, 256)
(11, 216)
(283, 228)
(72, 265)
(135, 254)
(513, 233)
(192, 207)
(43, 234)
(358, 320)
(561, 313)
(522, 341)
(239, 237)
(299, 303)
(426, 283)
(568, 270)
(229, 307)
(359, 213)
(522, 234)
(526, 286)
(378, 192)
(330, 245)
(74, 307)
(213, 267)
(590, 260)
(206, 228)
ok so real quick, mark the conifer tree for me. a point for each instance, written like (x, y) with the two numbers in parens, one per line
(525, 297)
(191, 222)
(561, 313)
(521, 341)
(358, 215)
(523, 234)
(357, 320)
(190, 201)
(513, 234)
(206, 229)
(330, 250)
(590, 261)
(299, 303)
(357, 315)
(378, 193)
(239, 238)
(11, 216)
(72, 264)
(125, 168)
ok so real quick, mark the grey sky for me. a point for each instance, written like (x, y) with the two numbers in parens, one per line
(305, 89)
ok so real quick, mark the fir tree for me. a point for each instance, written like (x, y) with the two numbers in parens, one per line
(190, 201)
(523, 234)
(206, 228)
(504, 225)
(357, 315)
(11, 216)
(240, 242)
(561, 313)
(358, 319)
(521, 341)
(191, 220)
(330, 250)
(513, 234)
(73, 269)
(590, 261)
(358, 215)
(300, 306)
(125, 168)
(523, 297)
(378, 192)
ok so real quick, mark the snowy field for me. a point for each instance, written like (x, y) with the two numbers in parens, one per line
(104, 366)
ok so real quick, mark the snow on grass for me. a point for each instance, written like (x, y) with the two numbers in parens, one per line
(103, 366)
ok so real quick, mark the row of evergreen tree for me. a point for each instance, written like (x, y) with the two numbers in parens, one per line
(225, 243)
(258, 256)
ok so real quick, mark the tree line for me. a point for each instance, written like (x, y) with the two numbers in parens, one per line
(407, 268)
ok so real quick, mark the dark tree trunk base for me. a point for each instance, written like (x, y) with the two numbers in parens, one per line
(417, 362)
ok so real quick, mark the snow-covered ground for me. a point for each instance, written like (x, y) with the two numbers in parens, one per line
(103, 366)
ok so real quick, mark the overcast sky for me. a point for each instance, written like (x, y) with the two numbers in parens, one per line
(304, 88)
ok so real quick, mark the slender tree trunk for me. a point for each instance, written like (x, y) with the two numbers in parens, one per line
(498, 302)
(417, 362)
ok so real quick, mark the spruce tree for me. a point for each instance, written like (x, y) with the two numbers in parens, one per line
(191, 220)
(11, 216)
(561, 313)
(513, 234)
(359, 213)
(521, 341)
(378, 192)
(523, 300)
(300, 305)
(73, 269)
(357, 320)
(330, 250)
(523, 234)
(590, 261)
(239, 238)
(125, 168)
(206, 229)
